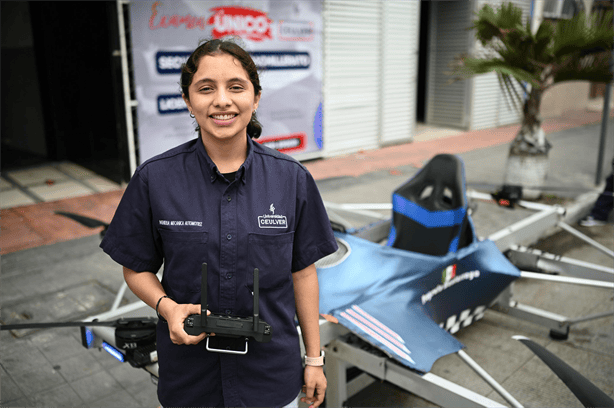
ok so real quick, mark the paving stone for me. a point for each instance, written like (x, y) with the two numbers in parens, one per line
(386, 395)
(5, 184)
(14, 197)
(534, 385)
(10, 345)
(129, 377)
(36, 175)
(31, 371)
(597, 335)
(62, 396)
(101, 184)
(59, 344)
(60, 190)
(74, 170)
(91, 297)
(9, 292)
(494, 350)
(598, 368)
(452, 368)
(96, 387)
(145, 393)
(43, 257)
(62, 304)
(79, 366)
(23, 402)
(9, 391)
(118, 399)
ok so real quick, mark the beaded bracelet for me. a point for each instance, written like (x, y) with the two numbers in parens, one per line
(157, 305)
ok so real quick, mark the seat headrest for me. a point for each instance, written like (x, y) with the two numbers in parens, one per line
(438, 186)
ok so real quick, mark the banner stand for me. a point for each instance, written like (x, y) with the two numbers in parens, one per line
(128, 103)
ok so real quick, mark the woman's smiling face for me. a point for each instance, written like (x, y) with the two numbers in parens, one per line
(221, 97)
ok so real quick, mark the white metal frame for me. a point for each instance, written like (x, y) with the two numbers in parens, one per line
(508, 239)
(340, 355)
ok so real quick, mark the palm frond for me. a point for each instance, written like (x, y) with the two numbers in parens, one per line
(499, 24)
(527, 63)
(543, 39)
(469, 66)
(513, 99)
(579, 35)
(594, 67)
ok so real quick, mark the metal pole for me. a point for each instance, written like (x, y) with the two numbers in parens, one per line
(566, 279)
(586, 239)
(591, 317)
(604, 120)
(126, 86)
(119, 296)
(491, 381)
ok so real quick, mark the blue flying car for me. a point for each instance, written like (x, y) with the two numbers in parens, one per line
(431, 278)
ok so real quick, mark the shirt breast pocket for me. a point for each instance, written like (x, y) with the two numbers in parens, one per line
(183, 256)
(272, 255)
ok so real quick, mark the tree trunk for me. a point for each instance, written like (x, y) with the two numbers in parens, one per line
(531, 139)
(527, 161)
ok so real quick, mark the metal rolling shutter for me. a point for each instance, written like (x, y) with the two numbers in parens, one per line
(352, 46)
(486, 89)
(448, 103)
(399, 65)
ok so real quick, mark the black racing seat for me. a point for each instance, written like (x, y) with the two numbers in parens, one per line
(430, 210)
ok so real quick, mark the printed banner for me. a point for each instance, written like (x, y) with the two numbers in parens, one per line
(285, 40)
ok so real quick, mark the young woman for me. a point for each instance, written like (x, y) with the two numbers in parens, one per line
(236, 205)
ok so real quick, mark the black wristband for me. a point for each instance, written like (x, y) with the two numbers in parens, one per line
(157, 305)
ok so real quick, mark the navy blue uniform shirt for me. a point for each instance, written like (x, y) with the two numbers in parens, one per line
(179, 210)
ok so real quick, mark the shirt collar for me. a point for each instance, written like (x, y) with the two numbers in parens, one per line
(211, 170)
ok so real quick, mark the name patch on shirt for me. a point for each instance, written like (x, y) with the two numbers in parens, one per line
(188, 223)
(272, 220)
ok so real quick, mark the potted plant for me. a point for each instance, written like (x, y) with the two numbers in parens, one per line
(529, 63)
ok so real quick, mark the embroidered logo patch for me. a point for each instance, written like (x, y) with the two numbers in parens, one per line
(181, 223)
(272, 220)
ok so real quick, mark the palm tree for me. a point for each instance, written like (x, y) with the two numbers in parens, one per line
(527, 64)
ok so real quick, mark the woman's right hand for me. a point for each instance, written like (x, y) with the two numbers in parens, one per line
(175, 314)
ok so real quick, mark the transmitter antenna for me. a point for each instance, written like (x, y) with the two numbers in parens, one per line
(203, 296)
(256, 299)
(226, 325)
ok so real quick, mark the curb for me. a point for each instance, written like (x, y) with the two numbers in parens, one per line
(575, 211)
(580, 206)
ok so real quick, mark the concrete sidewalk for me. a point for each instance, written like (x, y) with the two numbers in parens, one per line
(52, 269)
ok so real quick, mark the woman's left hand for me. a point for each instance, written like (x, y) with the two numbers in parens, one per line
(315, 386)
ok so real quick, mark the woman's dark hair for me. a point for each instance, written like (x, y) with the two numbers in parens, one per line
(213, 47)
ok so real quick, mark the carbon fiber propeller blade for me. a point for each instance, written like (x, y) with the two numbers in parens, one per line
(588, 394)
(49, 325)
(85, 221)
